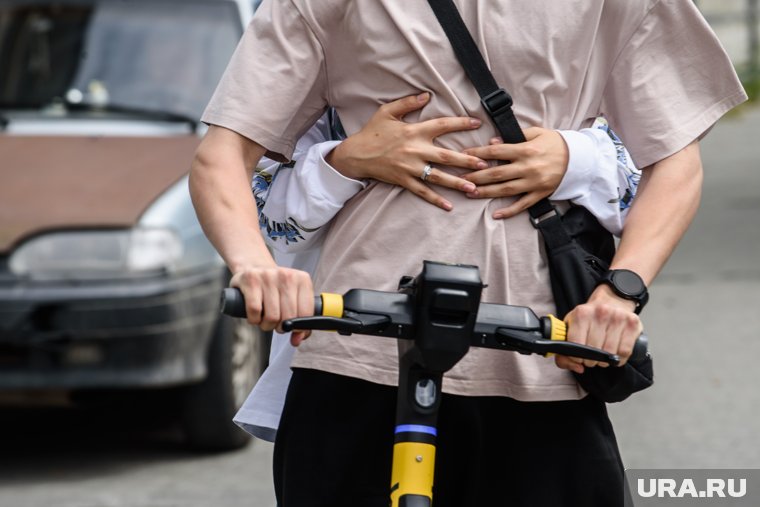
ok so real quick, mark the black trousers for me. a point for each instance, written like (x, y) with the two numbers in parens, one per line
(335, 444)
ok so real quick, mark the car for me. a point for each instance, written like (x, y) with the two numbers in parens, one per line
(108, 285)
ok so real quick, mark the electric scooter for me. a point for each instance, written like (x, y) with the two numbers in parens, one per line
(436, 316)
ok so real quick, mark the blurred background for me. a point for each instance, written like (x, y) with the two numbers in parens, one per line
(112, 353)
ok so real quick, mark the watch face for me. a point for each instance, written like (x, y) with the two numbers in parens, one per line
(628, 282)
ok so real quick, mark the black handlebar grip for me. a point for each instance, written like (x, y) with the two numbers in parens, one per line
(233, 303)
(640, 349)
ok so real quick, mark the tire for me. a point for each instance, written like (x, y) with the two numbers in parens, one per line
(238, 354)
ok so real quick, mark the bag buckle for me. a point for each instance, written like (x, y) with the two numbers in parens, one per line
(554, 212)
(497, 102)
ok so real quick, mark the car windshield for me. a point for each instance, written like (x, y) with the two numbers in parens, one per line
(152, 55)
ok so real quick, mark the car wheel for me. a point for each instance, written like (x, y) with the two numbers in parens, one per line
(237, 356)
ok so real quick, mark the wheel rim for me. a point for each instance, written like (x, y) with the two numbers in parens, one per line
(246, 346)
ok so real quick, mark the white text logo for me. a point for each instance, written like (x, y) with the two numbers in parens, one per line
(714, 488)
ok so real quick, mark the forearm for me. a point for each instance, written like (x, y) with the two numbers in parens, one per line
(667, 198)
(666, 203)
(599, 177)
(220, 189)
(301, 199)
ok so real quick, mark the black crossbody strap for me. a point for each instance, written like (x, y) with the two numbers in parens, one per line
(498, 104)
(496, 101)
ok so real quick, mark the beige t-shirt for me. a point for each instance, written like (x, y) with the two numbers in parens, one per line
(653, 68)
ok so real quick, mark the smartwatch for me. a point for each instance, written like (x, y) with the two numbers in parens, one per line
(628, 285)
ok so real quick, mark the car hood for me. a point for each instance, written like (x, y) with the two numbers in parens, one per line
(73, 182)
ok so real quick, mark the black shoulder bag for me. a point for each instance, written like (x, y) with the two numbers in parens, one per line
(578, 248)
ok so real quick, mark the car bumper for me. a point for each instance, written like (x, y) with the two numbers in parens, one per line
(149, 333)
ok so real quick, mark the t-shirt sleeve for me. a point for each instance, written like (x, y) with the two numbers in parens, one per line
(670, 83)
(275, 85)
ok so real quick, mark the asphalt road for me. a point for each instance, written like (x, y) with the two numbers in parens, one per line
(74, 458)
(704, 411)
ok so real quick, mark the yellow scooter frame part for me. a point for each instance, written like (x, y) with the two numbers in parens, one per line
(413, 467)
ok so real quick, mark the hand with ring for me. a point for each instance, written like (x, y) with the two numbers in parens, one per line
(393, 151)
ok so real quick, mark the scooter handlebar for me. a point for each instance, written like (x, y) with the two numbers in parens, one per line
(233, 304)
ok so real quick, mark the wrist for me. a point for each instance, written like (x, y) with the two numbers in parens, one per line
(604, 294)
(339, 160)
(628, 285)
(242, 266)
(324, 180)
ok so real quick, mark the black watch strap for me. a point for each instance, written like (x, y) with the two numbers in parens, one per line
(628, 285)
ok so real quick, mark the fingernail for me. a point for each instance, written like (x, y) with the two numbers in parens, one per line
(423, 97)
(498, 216)
(447, 205)
(482, 165)
(468, 187)
(496, 140)
(475, 122)
(472, 194)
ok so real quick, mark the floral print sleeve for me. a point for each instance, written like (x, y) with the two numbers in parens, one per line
(296, 199)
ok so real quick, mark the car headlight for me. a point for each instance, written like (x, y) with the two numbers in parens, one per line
(93, 254)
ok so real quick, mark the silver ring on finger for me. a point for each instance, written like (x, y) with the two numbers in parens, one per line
(426, 172)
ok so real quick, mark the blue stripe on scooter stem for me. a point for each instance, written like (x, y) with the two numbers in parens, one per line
(416, 428)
